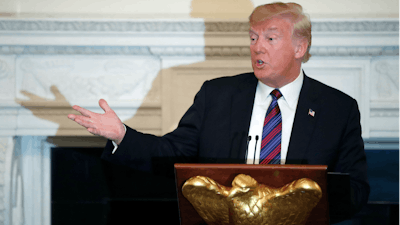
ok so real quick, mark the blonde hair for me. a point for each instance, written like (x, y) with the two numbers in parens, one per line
(293, 12)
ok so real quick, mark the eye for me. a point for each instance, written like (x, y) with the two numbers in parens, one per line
(253, 39)
(271, 38)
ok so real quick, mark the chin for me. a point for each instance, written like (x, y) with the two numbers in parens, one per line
(261, 75)
(269, 79)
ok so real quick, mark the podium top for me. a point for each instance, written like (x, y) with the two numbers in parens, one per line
(194, 166)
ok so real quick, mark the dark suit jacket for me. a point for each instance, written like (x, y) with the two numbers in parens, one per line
(215, 129)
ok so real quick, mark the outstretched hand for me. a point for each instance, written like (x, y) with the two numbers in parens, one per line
(107, 125)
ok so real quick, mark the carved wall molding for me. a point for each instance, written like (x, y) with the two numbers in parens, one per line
(5, 144)
(58, 25)
(356, 26)
(385, 83)
(30, 181)
(388, 75)
(192, 25)
(384, 112)
(37, 67)
(317, 26)
(354, 51)
(235, 51)
(133, 76)
(74, 50)
(177, 51)
(5, 70)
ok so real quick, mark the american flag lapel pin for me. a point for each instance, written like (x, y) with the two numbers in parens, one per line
(311, 112)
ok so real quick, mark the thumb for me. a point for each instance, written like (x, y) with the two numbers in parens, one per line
(103, 104)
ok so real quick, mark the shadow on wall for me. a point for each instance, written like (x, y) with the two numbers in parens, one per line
(207, 9)
(117, 205)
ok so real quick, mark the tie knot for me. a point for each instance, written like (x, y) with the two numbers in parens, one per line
(276, 93)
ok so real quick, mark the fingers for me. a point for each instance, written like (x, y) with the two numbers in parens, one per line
(71, 116)
(83, 121)
(103, 104)
(83, 111)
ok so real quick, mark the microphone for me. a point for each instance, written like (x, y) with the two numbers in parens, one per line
(255, 150)
(247, 149)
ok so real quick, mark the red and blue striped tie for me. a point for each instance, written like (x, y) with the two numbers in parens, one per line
(272, 132)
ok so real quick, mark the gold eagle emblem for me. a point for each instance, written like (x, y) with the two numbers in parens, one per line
(248, 202)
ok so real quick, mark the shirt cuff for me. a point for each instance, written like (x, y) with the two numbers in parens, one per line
(115, 147)
(115, 144)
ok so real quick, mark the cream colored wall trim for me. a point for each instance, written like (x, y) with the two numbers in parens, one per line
(185, 52)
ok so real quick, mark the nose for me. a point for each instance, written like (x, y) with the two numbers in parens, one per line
(259, 47)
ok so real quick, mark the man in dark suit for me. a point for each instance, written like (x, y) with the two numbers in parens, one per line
(316, 124)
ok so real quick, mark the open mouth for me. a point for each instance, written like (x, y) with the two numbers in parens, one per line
(259, 62)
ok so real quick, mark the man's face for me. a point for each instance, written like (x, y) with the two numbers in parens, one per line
(273, 52)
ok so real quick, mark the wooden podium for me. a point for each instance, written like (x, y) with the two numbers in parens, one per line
(271, 175)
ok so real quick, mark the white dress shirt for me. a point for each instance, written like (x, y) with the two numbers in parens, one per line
(287, 104)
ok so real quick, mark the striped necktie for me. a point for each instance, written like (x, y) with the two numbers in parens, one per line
(272, 132)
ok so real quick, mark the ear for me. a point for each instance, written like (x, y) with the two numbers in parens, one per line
(301, 46)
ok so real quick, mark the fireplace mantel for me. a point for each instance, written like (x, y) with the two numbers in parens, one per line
(149, 71)
(85, 60)
(62, 62)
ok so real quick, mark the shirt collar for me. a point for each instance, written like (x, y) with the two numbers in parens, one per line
(290, 92)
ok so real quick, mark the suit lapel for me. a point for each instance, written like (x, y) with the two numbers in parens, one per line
(241, 109)
(304, 123)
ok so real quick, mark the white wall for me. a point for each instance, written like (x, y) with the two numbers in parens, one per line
(182, 8)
